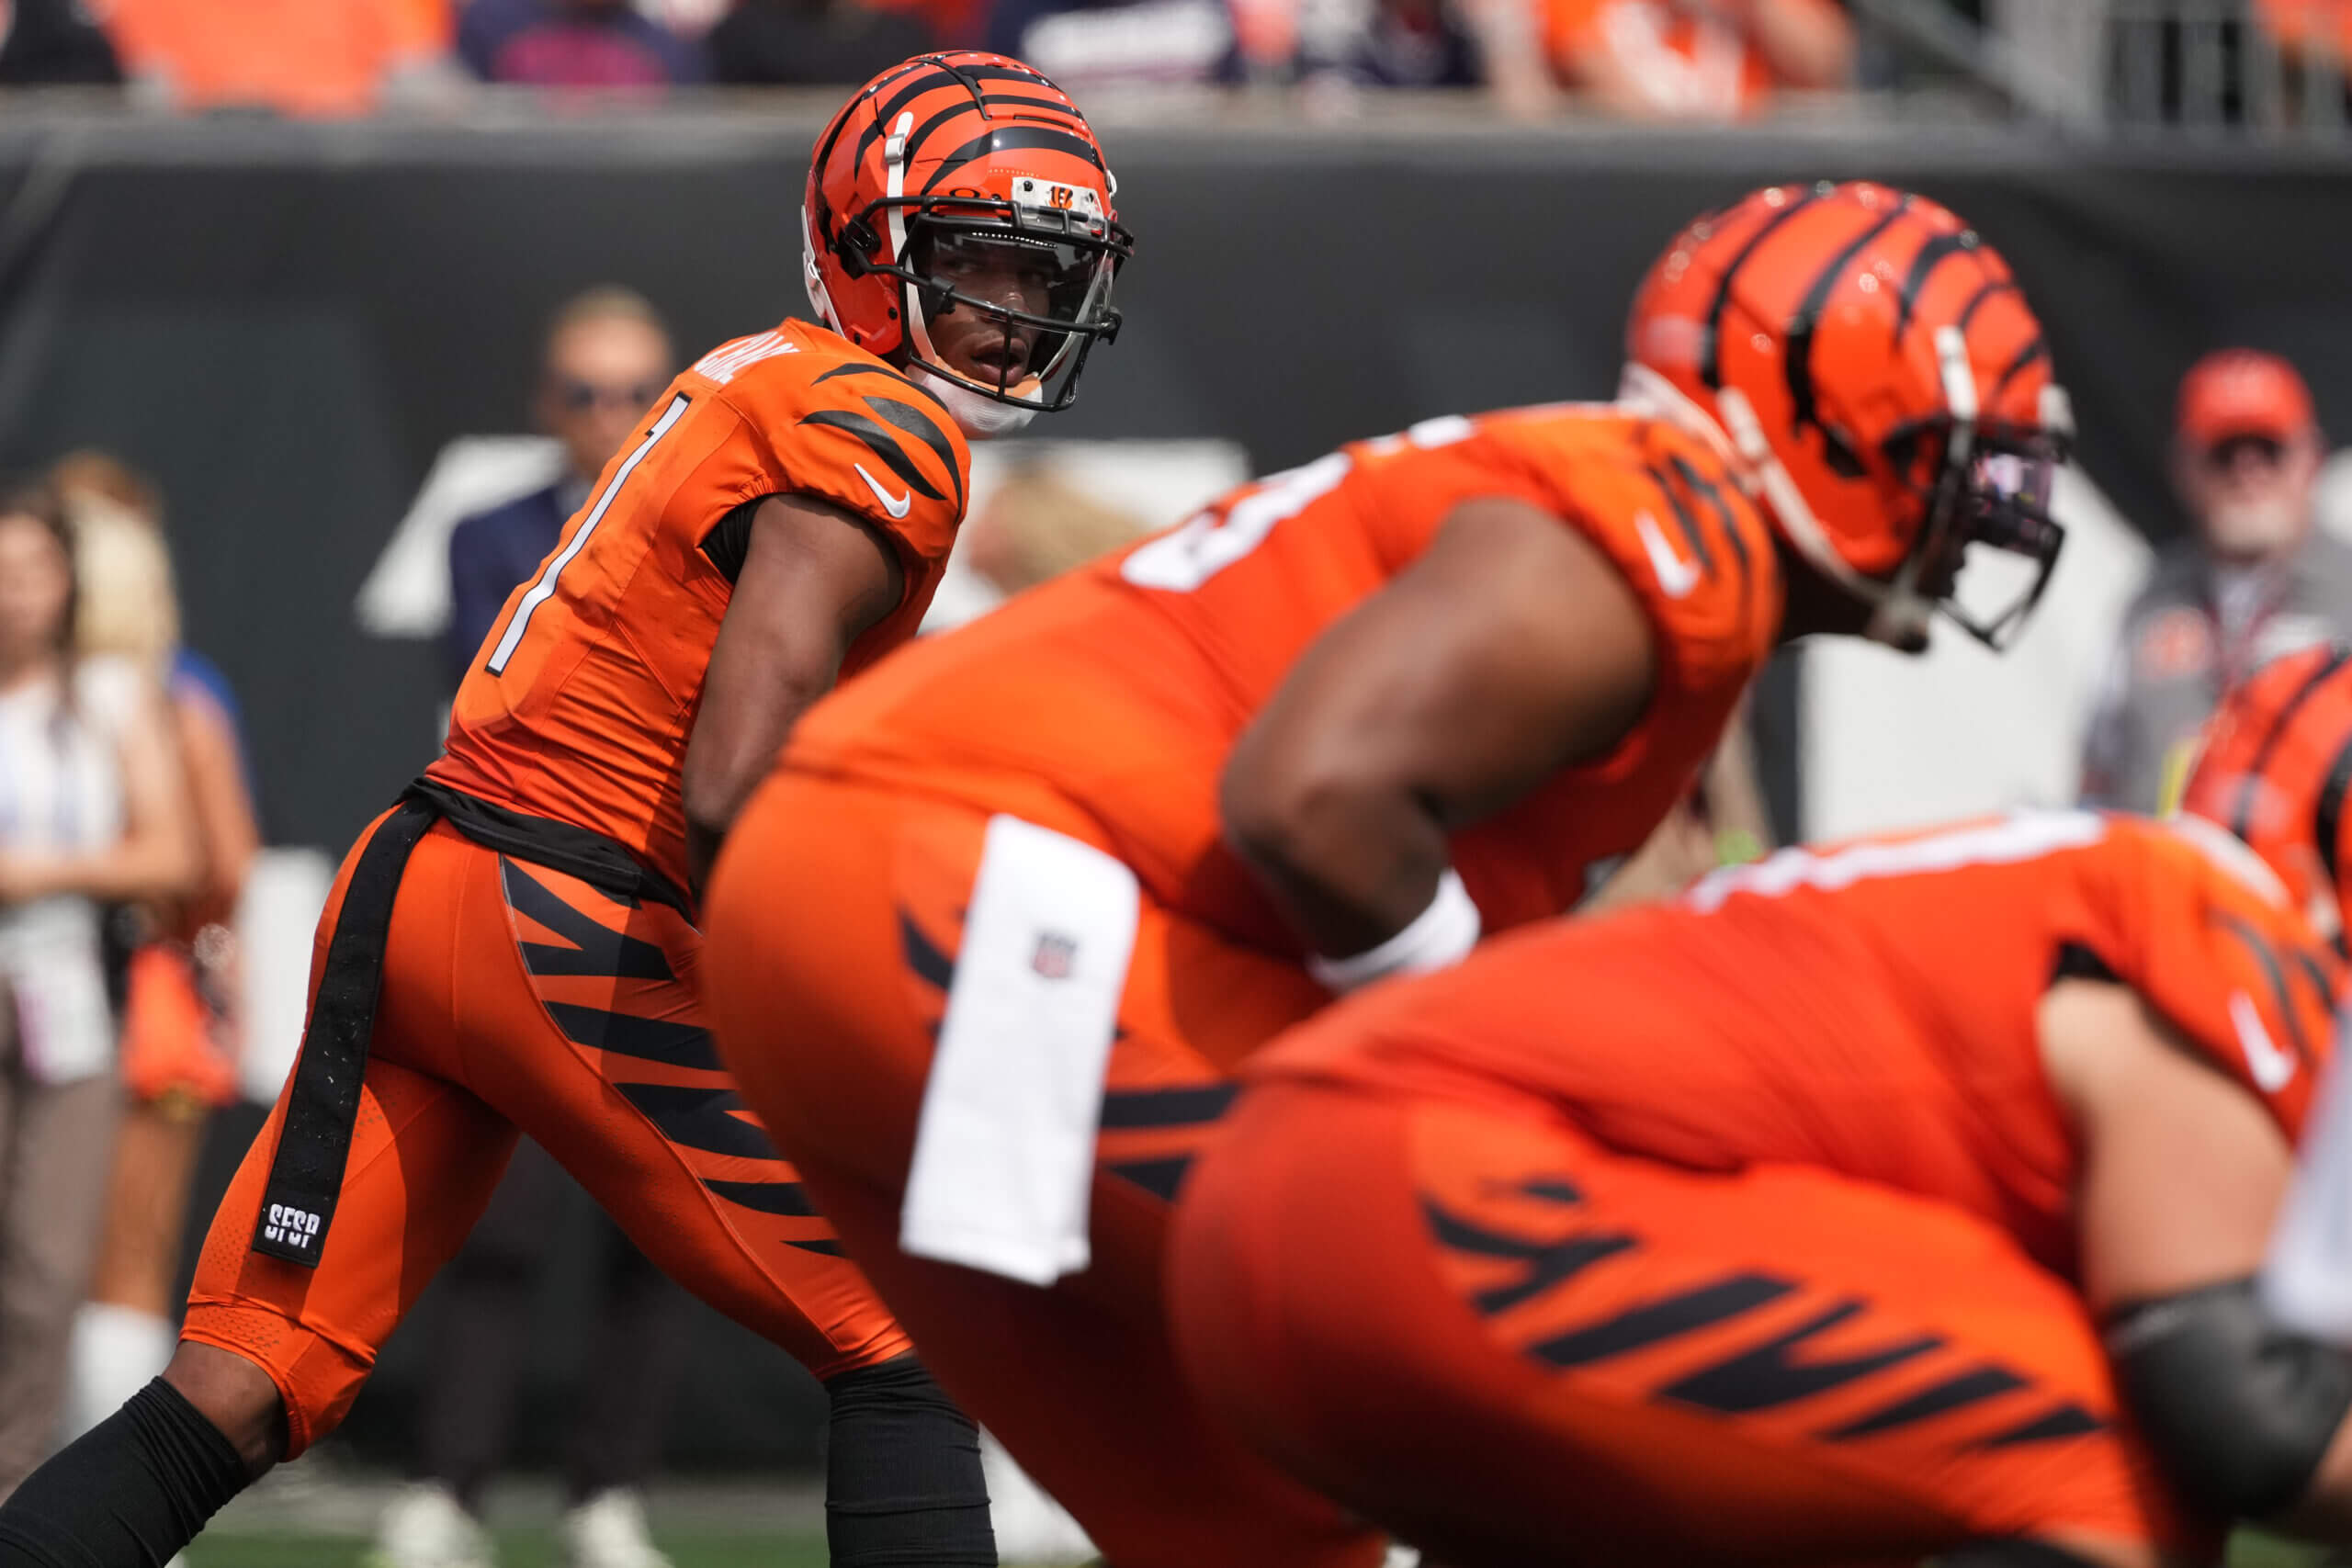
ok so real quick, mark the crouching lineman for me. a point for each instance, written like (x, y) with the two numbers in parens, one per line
(988, 946)
(511, 948)
(1867, 1203)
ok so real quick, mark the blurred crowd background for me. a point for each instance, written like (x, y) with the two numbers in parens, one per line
(2249, 62)
(318, 317)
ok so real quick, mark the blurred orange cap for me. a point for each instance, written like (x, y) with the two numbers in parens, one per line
(2242, 391)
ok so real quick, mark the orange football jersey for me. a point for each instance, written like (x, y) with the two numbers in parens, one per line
(580, 704)
(1104, 705)
(1868, 1008)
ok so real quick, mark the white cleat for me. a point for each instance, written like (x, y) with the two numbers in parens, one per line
(608, 1531)
(426, 1526)
(1031, 1528)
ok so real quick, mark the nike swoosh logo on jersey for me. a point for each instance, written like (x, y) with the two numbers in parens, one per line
(1676, 576)
(2271, 1065)
(896, 507)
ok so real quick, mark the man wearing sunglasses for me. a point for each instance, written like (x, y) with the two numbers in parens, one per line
(607, 357)
(2255, 581)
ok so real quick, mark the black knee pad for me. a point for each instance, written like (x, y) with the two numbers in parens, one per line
(902, 1474)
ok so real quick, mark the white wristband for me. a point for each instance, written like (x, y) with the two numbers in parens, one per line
(1441, 935)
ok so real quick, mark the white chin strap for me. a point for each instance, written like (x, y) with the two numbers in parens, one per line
(819, 299)
(980, 418)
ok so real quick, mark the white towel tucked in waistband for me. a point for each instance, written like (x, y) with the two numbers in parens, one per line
(1004, 1152)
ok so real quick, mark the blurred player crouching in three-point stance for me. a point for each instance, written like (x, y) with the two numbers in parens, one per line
(988, 947)
(511, 947)
(1869, 1203)
(1930, 1194)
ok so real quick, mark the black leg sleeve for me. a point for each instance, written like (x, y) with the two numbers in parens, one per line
(635, 1350)
(902, 1474)
(126, 1494)
(466, 1414)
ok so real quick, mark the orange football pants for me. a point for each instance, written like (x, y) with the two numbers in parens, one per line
(1512, 1345)
(519, 999)
(835, 918)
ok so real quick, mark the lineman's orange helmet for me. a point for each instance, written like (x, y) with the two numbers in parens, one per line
(938, 156)
(2275, 768)
(1876, 367)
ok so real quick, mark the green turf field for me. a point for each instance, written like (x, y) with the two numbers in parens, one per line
(537, 1548)
(516, 1549)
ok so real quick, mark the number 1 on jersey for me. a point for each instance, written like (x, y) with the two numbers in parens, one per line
(543, 588)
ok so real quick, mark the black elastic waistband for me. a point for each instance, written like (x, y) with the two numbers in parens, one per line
(560, 846)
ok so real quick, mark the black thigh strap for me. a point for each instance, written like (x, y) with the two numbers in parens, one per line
(306, 1175)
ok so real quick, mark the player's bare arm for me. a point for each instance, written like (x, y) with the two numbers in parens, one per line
(2183, 1172)
(1512, 648)
(815, 577)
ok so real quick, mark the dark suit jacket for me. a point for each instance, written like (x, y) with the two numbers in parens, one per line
(489, 554)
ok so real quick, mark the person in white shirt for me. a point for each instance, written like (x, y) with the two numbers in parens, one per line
(93, 810)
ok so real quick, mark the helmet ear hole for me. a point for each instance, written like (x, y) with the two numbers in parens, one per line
(853, 244)
(1839, 452)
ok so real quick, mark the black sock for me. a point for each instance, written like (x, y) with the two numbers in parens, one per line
(126, 1494)
(902, 1474)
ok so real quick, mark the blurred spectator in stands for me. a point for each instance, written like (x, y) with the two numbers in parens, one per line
(2308, 27)
(607, 357)
(91, 812)
(298, 57)
(178, 1050)
(52, 42)
(1696, 59)
(1036, 525)
(1323, 43)
(797, 42)
(1375, 43)
(574, 43)
(2255, 579)
(1095, 44)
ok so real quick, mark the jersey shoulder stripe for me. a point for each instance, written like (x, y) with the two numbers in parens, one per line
(881, 442)
(911, 418)
(729, 360)
(1708, 493)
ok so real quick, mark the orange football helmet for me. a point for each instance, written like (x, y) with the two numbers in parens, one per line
(1875, 368)
(2274, 770)
(940, 158)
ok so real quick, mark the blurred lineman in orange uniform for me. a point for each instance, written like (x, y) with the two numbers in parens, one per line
(987, 946)
(2274, 766)
(511, 949)
(1868, 1204)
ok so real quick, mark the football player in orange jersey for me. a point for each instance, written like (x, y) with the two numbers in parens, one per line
(1868, 1204)
(511, 949)
(2274, 767)
(988, 946)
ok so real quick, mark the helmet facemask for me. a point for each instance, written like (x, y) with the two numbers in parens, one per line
(1053, 239)
(1987, 544)
(1984, 488)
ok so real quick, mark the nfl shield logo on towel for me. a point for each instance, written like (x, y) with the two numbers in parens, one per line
(1054, 955)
